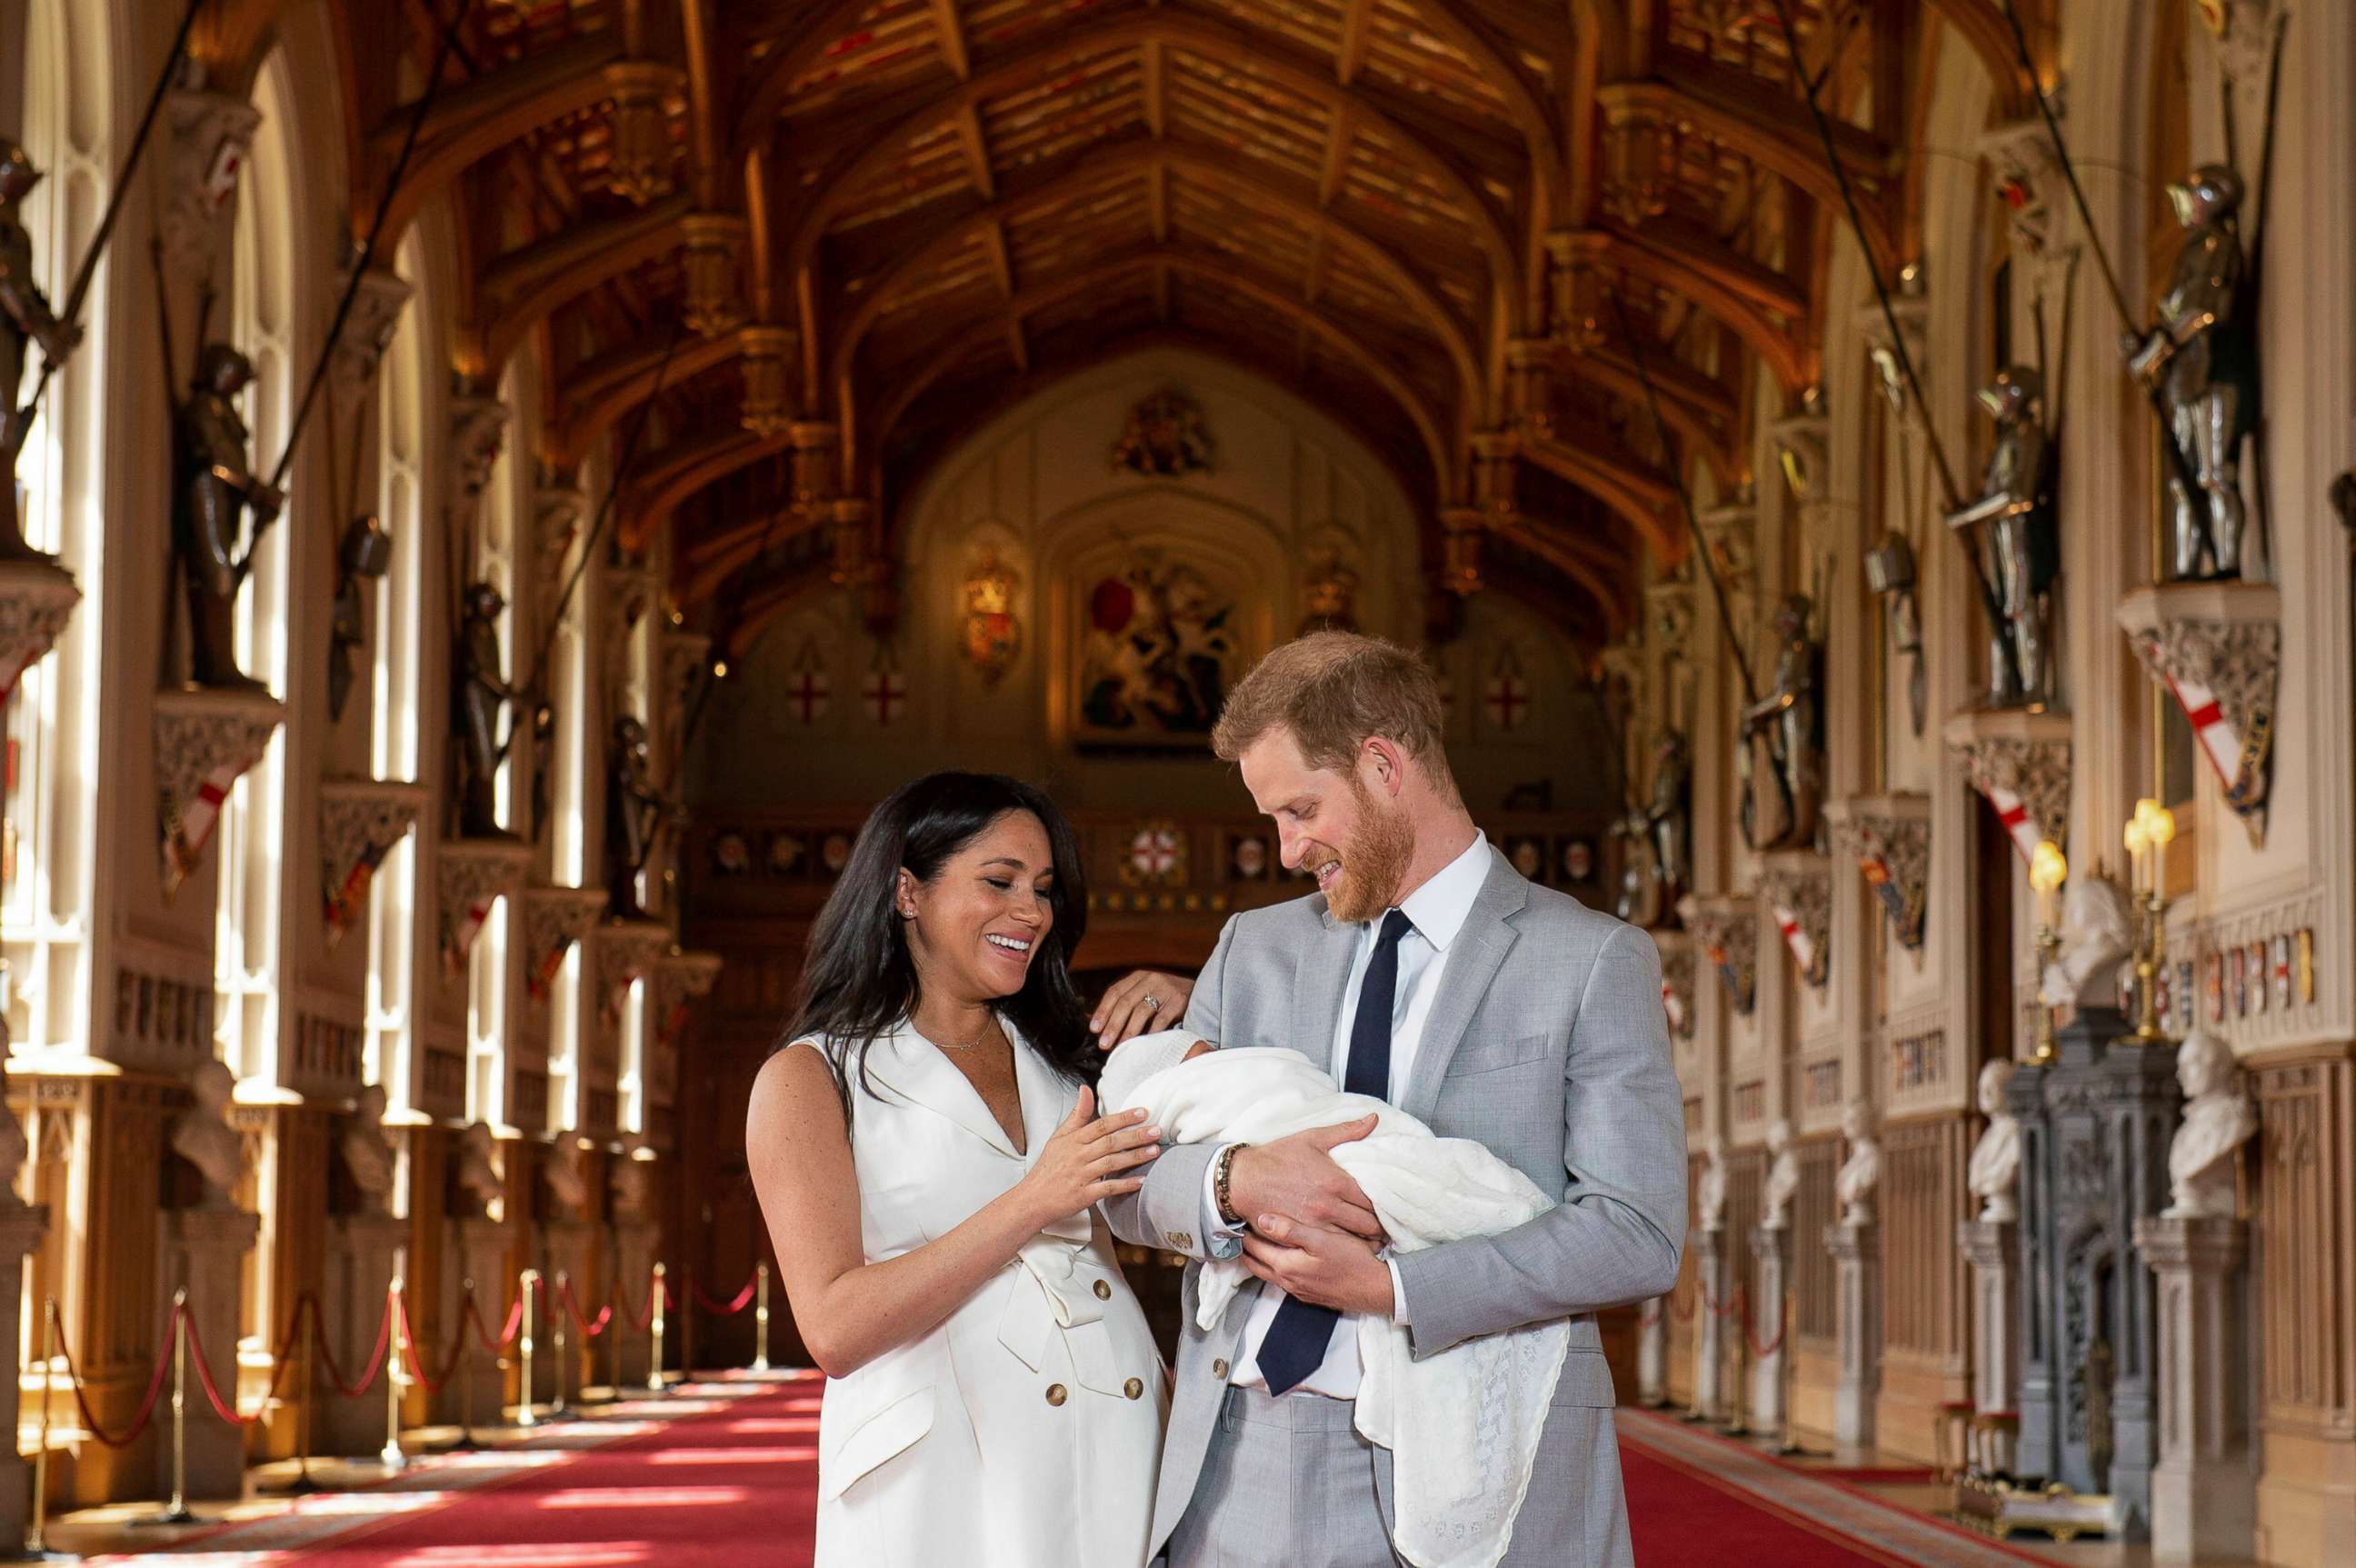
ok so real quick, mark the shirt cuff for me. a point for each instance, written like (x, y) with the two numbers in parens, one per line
(1220, 1240)
(1398, 1295)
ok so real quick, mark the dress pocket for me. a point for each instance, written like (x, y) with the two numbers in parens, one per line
(880, 1436)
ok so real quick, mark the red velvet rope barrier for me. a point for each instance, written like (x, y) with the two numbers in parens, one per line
(433, 1383)
(1741, 1298)
(221, 1407)
(642, 1321)
(1783, 1326)
(581, 1319)
(507, 1332)
(743, 1297)
(335, 1380)
(147, 1405)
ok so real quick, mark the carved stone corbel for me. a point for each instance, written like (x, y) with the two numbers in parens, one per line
(361, 820)
(1802, 443)
(1911, 303)
(479, 430)
(2020, 761)
(767, 410)
(1725, 927)
(1678, 980)
(679, 979)
(621, 952)
(641, 127)
(1797, 885)
(1669, 613)
(1888, 836)
(2033, 188)
(205, 738)
(36, 600)
(554, 919)
(377, 304)
(470, 875)
(210, 134)
(715, 301)
(2217, 649)
(558, 511)
(685, 655)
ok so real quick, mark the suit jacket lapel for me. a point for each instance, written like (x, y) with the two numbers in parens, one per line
(1318, 978)
(1472, 962)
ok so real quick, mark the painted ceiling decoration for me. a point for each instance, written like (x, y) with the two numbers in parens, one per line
(813, 245)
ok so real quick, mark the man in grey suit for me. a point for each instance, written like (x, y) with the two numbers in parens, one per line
(1428, 972)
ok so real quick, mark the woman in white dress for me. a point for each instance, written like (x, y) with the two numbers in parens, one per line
(929, 1159)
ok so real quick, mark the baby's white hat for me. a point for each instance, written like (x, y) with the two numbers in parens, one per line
(1134, 1061)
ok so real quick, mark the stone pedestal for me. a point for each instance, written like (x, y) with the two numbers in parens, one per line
(2094, 1129)
(1855, 1247)
(22, 1227)
(2203, 1496)
(1653, 1353)
(563, 1251)
(363, 1253)
(478, 1251)
(1709, 1328)
(202, 1251)
(634, 1261)
(1992, 1247)
(1772, 1250)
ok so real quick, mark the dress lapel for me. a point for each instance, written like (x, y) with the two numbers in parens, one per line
(1047, 1096)
(1472, 963)
(1318, 978)
(915, 1069)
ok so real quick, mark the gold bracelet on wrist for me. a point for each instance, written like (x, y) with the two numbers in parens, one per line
(1219, 1176)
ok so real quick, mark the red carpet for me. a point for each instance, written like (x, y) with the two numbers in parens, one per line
(721, 1489)
(1678, 1517)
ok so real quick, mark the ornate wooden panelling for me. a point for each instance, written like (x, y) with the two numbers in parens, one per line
(2305, 1206)
(1923, 1276)
(1814, 1299)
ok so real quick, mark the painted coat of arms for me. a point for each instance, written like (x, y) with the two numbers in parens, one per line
(1165, 438)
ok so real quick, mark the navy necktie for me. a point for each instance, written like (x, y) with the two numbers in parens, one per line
(1298, 1335)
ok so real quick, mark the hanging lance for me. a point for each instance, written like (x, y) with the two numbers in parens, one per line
(87, 271)
(2180, 463)
(1810, 89)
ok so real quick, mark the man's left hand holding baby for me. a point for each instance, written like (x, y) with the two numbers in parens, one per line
(1309, 1263)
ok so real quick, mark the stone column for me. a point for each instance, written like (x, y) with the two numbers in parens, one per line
(363, 1252)
(1772, 1246)
(203, 1253)
(1709, 1339)
(1653, 1353)
(22, 1227)
(2203, 1496)
(1855, 1247)
(477, 1249)
(1992, 1247)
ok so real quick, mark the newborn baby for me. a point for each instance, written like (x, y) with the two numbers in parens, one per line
(1462, 1425)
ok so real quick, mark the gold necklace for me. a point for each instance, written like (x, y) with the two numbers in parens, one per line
(974, 1044)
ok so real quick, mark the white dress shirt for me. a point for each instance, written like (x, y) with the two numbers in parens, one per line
(1437, 911)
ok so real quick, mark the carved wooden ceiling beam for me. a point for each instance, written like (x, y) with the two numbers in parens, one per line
(522, 288)
(601, 391)
(684, 468)
(1783, 346)
(1631, 489)
(1982, 26)
(1551, 547)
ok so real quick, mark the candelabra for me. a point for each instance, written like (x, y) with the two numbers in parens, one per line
(2047, 870)
(2148, 833)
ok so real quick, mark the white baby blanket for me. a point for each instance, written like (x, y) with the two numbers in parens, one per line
(1462, 1425)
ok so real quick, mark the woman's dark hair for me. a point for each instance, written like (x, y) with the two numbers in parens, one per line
(858, 980)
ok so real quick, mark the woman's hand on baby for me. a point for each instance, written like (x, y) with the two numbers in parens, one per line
(1138, 1004)
(1087, 1159)
(1295, 1177)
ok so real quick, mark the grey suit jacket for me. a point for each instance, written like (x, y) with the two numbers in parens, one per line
(1547, 1041)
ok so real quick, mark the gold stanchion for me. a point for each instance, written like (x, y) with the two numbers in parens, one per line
(556, 1411)
(302, 1485)
(761, 1317)
(35, 1542)
(523, 1348)
(655, 1383)
(390, 1455)
(177, 1512)
(465, 1444)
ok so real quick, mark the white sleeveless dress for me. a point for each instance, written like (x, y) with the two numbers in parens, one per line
(1025, 1431)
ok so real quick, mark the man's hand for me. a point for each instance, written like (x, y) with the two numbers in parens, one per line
(1295, 1178)
(1311, 1263)
(1138, 1004)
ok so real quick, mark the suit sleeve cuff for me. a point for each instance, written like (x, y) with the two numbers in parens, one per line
(1399, 1294)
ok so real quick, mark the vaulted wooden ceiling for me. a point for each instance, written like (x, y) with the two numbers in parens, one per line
(816, 243)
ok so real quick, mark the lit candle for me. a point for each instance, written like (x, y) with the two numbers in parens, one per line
(2137, 840)
(2047, 870)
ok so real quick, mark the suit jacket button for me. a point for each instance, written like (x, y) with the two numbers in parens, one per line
(1134, 1387)
(1055, 1394)
(1219, 1370)
(1104, 1290)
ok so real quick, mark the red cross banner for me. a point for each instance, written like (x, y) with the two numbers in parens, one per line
(886, 693)
(2014, 814)
(188, 824)
(1803, 950)
(807, 694)
(1508, 700)
(2240, 760)
(470, 926)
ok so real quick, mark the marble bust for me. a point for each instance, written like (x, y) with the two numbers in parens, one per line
(564, 1183)
(2218, 1119)
(202, 1137)
(1709, 1193)
(1993, 1173)
(1782, 1177)
(367, 1155)
(630, 1188)
(478, 1178)
(2097, 935)
(1861, 1172)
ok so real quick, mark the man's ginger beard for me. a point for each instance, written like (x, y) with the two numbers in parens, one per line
(1374, 863)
